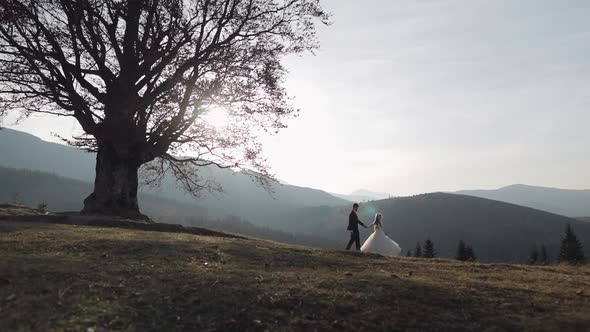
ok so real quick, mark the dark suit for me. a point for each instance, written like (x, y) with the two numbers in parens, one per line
(353, 227)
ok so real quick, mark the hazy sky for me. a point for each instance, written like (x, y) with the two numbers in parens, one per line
(426, 95)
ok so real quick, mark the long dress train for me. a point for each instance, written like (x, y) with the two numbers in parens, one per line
(379, 243)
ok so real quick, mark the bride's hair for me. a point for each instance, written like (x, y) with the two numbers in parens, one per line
(377, 218)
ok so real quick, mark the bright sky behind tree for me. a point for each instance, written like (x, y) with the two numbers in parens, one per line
(408, 97)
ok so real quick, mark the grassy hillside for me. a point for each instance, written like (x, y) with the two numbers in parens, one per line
(17, 210)
(237, 225)
(80, 278)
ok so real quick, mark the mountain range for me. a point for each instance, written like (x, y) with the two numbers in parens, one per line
(31, 188)
(568, 202)
(498, 231)
(22, 150)
(363, 195)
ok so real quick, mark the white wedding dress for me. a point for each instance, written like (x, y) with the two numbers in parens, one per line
(379, 243)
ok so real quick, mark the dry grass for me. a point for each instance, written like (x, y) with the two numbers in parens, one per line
(16, 210)
(78, 278)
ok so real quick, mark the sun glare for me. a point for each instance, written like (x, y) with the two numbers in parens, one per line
(217, 117)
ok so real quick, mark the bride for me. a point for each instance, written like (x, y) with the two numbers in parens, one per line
(378, 242)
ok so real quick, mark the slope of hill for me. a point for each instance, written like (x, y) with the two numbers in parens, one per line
(62, 194)
(567, 202)
(241, 197)
(80, 278)
(498, 231)
(22, 150)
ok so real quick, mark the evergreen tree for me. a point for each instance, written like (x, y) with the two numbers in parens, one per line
(470, 254)
(429, 251)
(571, 248)
(418, 250)
(543, 258)
(533, 255)
(461, 251)
(409, 253)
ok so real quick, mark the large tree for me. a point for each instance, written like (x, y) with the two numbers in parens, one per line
(139, 75)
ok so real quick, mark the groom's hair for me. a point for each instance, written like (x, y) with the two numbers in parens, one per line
(355, 205)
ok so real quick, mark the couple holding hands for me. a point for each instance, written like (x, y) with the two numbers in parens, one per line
(378, 242)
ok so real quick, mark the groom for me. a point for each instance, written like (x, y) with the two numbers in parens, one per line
(353, 227)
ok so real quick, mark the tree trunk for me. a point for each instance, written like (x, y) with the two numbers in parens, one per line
(115, 185)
